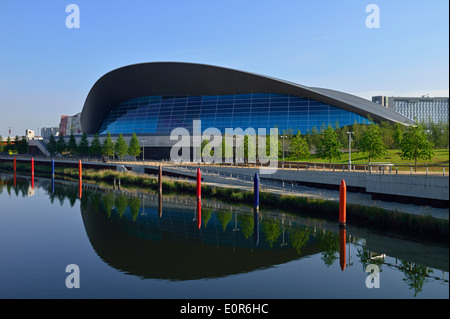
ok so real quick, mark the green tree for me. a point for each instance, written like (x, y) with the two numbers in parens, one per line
(299, 146)
(250, 148)
(121, 146)
(330, 147)
(108, 146)
(96, 146)
(358, 131)
(72, 146)
(1, 144)
(134, 149)
(387, 134)
(22, 147)
(8, 147)
(398, 134)
(372, 142)
(51, 145)
(16, 143)
(61, 145)
(415, 145)
(83, 147)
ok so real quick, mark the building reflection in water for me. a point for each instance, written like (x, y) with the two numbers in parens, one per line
(172, 245)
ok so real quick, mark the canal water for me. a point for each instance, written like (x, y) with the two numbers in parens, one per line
(60, 240)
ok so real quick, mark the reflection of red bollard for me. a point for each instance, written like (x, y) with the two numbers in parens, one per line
(199, 184)
(79, 170)
(14, 164)
(80, 188)
(32, 167)
(342, 203)
(199, 214)
(342, 247)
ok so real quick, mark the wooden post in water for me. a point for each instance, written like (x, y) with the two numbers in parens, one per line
(256, 191)
(199, 184)
(160, 179)
(342, 203)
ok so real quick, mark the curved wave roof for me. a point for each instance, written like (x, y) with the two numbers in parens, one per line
(180, 78)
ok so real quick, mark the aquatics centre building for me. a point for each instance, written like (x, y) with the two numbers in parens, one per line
(152, 99)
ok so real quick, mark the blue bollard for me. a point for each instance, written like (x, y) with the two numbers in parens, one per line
(53, 168)
(256, 191)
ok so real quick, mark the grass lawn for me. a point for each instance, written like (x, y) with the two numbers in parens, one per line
(440, 157)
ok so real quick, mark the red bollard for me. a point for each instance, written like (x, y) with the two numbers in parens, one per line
(199, 184)
(79, 170)
(342, 203)
(32, 166)
(14, 164)
(199, 214)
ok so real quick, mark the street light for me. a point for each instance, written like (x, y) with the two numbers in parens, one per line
(283, 136)
(143, 149)
(350, 149)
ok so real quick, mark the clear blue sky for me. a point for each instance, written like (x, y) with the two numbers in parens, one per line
(47, 70)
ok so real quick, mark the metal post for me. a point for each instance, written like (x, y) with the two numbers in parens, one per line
(350, 150)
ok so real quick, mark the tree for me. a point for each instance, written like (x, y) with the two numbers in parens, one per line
(329, 147)
(1, 144)
(83, 147)
(51, 145)
(398, 134)
(16, 144)
(372, 142)
(358, 131)
(121, 146)
(134, 149)
(108, 146)
(415, 145)
(96, 146)
(61, 145)
(22, 147)
(299, 146)
(8, 147)
(72, 146)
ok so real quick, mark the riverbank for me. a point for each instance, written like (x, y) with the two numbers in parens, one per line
(423, 226)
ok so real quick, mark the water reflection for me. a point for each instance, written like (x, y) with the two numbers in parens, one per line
(180, 238)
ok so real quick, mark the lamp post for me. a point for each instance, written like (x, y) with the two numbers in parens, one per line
(143, 149)
(283, 136)
(350, 150)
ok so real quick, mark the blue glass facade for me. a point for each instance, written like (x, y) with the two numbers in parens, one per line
(161, 114)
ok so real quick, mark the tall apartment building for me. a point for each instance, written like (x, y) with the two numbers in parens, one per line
(47, 131)
(421, 109)
(70, 124)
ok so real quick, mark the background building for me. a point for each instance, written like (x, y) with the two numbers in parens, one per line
(47, 131)
(70, 125)
(422, 109)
